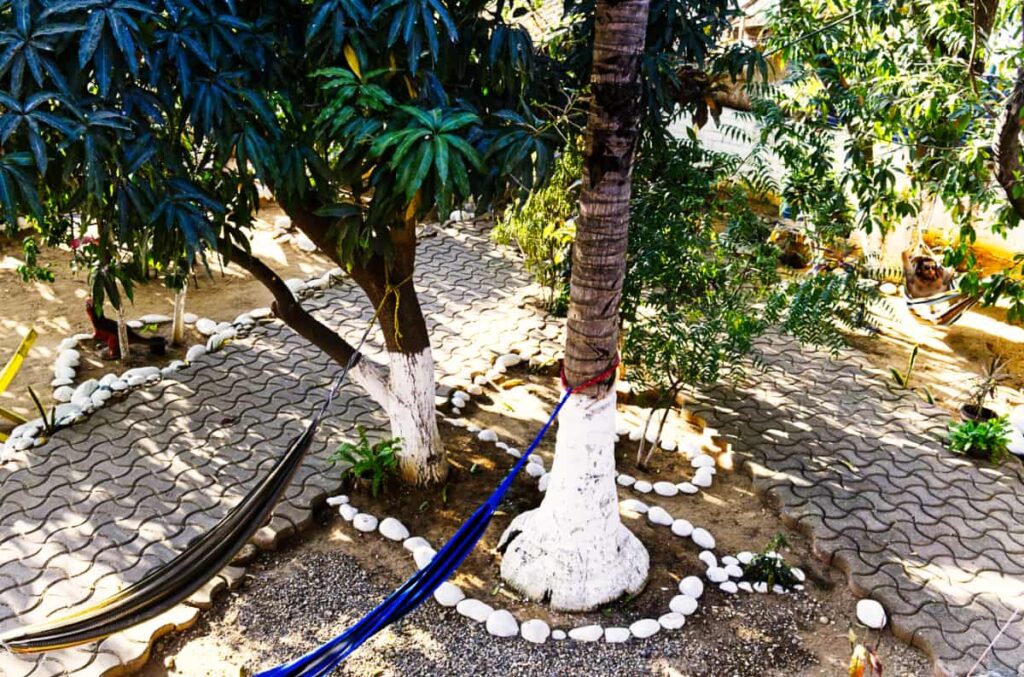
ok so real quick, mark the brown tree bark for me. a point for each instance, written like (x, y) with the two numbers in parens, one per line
(599, 252)
(1006, 148)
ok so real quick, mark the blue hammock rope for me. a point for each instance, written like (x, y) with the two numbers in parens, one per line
(422, 584)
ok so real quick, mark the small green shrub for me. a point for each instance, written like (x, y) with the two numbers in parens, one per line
(769, 567)
(543, 227)
(374, 463)
(981, 439)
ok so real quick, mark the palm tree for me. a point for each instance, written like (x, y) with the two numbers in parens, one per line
(573, 551)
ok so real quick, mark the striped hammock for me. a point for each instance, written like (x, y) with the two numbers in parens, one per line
(942, 309)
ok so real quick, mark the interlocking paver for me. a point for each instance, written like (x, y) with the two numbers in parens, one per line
(111, 497)
(936, 538)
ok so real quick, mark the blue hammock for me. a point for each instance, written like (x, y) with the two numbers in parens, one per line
(421, 585)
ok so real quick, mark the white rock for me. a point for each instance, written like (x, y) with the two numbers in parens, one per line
(660, 516)
(729, 559)
(625, 480)
(513, 452)
(692, 586)
(135, 381)
(644, 628)
(87, 388)
(708, 558)
(587, 633)
(684, 605)
(745, 557)
(61, 382)
(365, 522)
(635, 434)
(682, 528)
(487, 435)
(348, 512)
(282, 222)
(871, 614)
(745, 586)
(423, 556)
(414, 543)
(702, 478)
(558, 635)
(1016, 443)
(779, 590)
(474, 389)
(144, 372)
(155, 318)
(729, 587)
(798, 574)
(449, 594)
(82, 337)
(61, 372)
(473, 428)
(616, 635)
(652, 435)
(509, 360)
(119, 386)
(535, 630)
(535, 470)
(295, 285)
(633, 505)
(672, 621)
(734, 571)
(190, 318)
(622, 430)
(63, 394)
(474, 609)
(502, 623)
(687, 488)
(244, 320)
(668, 445)
(392, 529)
(68, 358)
(703, 461)
(260, 313)
(717, 575)
(108, 379)
(761, 587)
(543, 482)
(206, 326)
(83, 403)
(67, 413)
(665, 489)
(100, 397)
(643, 486)
(134, 324)
(340, 499)
(195, 352)
(303, 242)
(703, 538)
(66, 344)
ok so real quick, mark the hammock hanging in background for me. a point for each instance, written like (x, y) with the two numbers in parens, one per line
(175, 581)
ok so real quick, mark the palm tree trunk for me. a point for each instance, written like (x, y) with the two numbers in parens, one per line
(573, 550)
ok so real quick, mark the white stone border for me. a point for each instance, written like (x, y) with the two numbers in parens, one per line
(76, 402)
(500, 622)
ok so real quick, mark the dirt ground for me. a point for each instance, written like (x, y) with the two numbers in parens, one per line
(800, 634)
(57, 310)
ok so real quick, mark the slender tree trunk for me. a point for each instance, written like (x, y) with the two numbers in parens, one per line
(573, 550)
(124, 347)
(178, 325)
(1007, 148)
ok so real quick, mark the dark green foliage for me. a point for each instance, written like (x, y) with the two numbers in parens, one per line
(373, 463)
(701, 280)
(987, 440)
(769, 567)
(825, 304)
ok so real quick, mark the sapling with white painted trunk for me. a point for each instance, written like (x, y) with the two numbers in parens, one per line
(573, 550)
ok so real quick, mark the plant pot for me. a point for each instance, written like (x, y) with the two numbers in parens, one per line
(970, 412)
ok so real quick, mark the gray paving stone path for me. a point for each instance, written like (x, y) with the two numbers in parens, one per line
(107, 499)
(937, 539)
(862, 468)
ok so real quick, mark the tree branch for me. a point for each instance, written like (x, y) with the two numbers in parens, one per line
(1006, 148)
(288, 308)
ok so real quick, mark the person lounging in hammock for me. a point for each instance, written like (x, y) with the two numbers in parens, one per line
(925, 277)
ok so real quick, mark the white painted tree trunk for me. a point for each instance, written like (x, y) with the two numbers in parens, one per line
(407, 395)
(573, 551)
(178, 326)
(122, 337)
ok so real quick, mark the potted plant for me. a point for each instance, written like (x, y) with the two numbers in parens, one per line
(982, 391)
(369, 465)
(988, 439)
